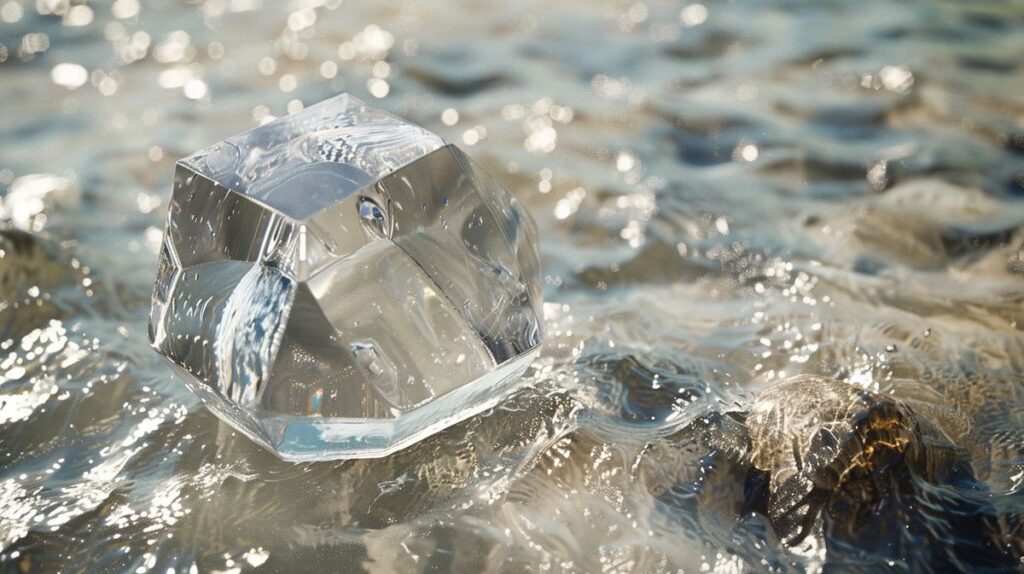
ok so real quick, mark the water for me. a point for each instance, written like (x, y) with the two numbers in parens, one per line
(728, 194)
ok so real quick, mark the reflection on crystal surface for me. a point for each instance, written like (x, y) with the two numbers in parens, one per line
(341, 283)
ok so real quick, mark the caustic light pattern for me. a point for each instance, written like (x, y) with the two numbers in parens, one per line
(342, 283)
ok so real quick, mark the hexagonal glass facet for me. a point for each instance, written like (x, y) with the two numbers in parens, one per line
(342, 283)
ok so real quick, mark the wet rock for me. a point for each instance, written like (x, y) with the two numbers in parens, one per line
(29, 271)
(834, 447)
(838, 471)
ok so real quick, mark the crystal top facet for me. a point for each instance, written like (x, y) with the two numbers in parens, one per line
(309, 160)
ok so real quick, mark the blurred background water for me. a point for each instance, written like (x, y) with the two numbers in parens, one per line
(728, 193)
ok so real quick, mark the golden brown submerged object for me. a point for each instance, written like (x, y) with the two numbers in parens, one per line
(858, 479)
(880, 477)
(832, 446)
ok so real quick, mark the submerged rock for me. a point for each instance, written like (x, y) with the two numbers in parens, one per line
(855, 470)
(29, 271)
(834, 447)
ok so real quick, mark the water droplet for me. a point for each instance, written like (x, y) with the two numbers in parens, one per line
(373, 217)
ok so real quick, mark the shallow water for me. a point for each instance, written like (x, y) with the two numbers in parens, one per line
(728, 194)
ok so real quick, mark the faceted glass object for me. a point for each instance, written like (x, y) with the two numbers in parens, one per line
(342, 283)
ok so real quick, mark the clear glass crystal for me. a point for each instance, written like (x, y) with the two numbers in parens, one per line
(342, 283)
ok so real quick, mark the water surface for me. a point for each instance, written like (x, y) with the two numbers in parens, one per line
(728, 194)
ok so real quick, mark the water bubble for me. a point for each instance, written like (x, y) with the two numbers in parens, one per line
(373, 217)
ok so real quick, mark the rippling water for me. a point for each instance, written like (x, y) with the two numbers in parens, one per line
(729, 194)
